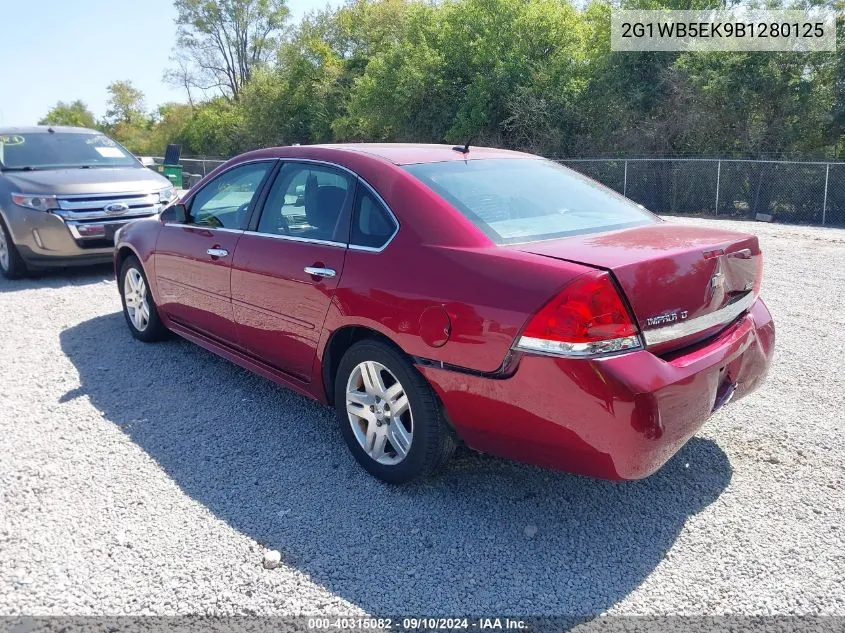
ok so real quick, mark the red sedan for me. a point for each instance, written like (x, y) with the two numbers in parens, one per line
(435, 295)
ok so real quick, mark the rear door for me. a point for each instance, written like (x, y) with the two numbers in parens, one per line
(288, 264)
(193, 261)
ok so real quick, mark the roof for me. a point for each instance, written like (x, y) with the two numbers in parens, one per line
(42, 129)
(412, 153)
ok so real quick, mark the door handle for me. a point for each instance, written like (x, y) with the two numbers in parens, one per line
(217, 252)
(320, 272)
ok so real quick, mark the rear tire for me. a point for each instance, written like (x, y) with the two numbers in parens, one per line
(12, 265)
(139, 309)
(389, 415)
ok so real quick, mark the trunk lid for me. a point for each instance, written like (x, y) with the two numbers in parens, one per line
(683, 283)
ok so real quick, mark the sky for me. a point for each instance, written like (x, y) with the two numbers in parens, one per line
(62, 50)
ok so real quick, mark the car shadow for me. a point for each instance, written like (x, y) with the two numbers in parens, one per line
(59, 278)
(273, 466)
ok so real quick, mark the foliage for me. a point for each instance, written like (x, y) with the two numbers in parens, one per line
(225, 40)
(536, 75)
(75, 113)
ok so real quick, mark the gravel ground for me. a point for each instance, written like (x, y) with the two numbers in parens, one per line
(150, 479)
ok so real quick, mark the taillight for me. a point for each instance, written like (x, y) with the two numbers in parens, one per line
(587, 318)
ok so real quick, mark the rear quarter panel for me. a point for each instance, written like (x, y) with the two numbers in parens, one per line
(487, 293)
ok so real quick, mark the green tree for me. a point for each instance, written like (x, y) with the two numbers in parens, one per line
(75, 113)
(125, 104)
(225, 40)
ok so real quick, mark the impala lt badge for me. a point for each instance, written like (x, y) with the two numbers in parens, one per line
(663, 319)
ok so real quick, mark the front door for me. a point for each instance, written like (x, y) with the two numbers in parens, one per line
(287, 266)
(193, 261)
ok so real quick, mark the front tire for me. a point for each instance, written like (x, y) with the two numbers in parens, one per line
(139, 309)
(12, 265)
(389, 415)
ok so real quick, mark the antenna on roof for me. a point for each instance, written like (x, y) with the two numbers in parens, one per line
(51, 130)
(465, 148)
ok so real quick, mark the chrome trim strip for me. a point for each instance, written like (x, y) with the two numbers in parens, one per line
(294, 238)
(71, 226)
(320, 272)
(370, 249)
(202, 227)
(153, 191)
(315, 161)
(91, 214)
(93, 202)
(562, 349)
(723, 316)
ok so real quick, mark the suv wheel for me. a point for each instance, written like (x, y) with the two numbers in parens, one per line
(389, 415)
(12, 265)
(138, 307)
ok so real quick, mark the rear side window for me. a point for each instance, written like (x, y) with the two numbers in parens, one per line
(372, 225)
(526, 200)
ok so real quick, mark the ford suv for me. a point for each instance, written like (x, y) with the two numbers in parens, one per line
(64, 192)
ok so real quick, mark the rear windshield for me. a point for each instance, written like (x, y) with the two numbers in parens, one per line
(524, 200)
(44, 150)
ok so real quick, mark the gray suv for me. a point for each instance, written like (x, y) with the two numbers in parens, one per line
(64, 191)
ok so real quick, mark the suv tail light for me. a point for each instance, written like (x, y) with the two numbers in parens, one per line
(587, 318)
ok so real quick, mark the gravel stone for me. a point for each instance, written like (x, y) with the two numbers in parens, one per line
(272, 558)
(190, 460)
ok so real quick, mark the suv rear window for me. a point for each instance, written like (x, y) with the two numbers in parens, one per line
(527, 200)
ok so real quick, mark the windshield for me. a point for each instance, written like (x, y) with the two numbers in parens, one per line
(45, 150)
(524, 200)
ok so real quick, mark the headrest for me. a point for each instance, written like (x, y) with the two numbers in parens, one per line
(323, 213)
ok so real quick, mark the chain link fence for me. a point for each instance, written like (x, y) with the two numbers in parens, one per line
(779, 191)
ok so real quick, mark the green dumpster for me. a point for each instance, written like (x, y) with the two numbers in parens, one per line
(171, 169)
(173, 173)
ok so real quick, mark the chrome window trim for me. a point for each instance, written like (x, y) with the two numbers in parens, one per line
(359, 179)
(190, 200)
(370, 249)
(294, 238)
(722, 316)
(315, 161)
(204, 228)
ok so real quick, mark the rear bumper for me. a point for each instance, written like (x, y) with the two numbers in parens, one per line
(619, 417)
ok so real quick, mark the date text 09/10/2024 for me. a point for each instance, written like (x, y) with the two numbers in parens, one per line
(417, 624)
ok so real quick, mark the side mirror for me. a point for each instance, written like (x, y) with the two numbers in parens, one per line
(175, 214)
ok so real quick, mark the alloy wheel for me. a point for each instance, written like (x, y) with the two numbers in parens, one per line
(380, 413)
(135, 298)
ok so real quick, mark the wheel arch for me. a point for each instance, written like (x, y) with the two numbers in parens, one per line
(120, 255)
(339, 342)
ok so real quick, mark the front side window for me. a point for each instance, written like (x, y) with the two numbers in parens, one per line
(308, 201)
(526, 200)
(372, 225)
(61, 150)
(225, 201)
